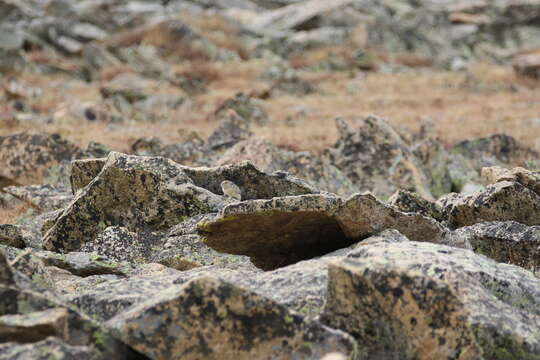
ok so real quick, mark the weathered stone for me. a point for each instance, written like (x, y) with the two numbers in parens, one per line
(213, 319)
(527, 65)
(189, 152)
(84, 171)
(506, 241)
(42, 197)
(27, 156)
(133, 192)
(231, 129)
(317, 170)
(35, 326)
(498, 202)
(412, 300)
(50, 348)
(285, 230)
(407, 201)
(247, 108)
(529, 179)
(377, 159)
(6, 275)
(12, 235)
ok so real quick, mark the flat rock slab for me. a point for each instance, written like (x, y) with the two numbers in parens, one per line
(211, 319)
(50, 348)
(285, 230)
(410, 300)
(41, 197)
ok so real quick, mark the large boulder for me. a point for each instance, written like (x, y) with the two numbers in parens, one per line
(410, 300)
(284, 230)
(213, 319)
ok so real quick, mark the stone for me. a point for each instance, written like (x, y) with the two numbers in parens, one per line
(51, 347)
(527, 65)
(84, 171)
(190, 152)
(527, 178)
(44, 198)
(33, 327)
(12, 235)
(29, 155)
(411, 300)
(505, 241)
(249, 109)
(285, 230)
(377, 159)
(231, 130)
(213, 319)
(407, 201)
(503, 201)
(6, 274)
(133, 192)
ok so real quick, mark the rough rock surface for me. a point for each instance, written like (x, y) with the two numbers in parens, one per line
(502, 201)
(505, 241)
(28, 155)
(41, 197)
(413, 300)
(213, 319)
(377, 159)
(285, 230)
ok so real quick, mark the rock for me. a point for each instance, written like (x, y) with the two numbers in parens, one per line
(190, 152)
(6, 275)
(407, 201)
(231, 130)
(148, 193)
(494, 150)
(529, 179)
(505, 241)
(316, 170)
(12, 235)
(253, 183)
(377, 159)
(120, 244)
(33, 327)
(84, 171)
(282, 231)
(42, 197)
(250, 110)
(196, 318)
(51, 347)
(411, 300)
(503, 201)
(29, 155)
(527, 65)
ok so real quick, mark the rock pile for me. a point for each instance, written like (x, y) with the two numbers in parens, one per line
(145, 258)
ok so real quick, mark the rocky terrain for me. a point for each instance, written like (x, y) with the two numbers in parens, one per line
(278, 179)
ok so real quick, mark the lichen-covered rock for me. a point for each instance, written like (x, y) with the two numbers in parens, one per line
(407, 201)
(26, 157)
(6, 275)
(120, 244)
(497, 149)
(12, 235)
(84, 171)
(277, 232)
(503, 201)
(248, 108)
(150, 193)
(34, 326)
(231, 130)
(527, 178)
(49, 348)
(41, 197)
(363, 215)
(209, 318)
(253, 183)
(317, 170)
(189, 152)
(285, 230)
(412, 300)
(505, 241)
(377, 159)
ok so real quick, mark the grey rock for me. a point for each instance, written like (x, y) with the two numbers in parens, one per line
(42, 197)
(48, 348)
(411, 300)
